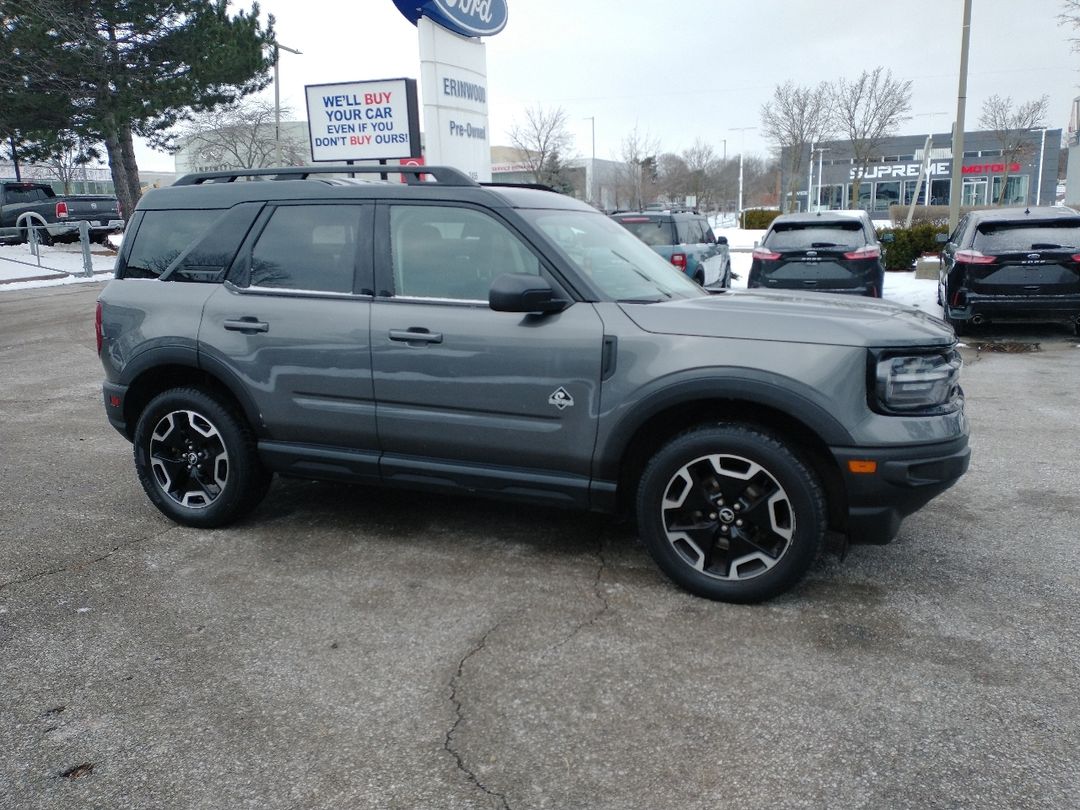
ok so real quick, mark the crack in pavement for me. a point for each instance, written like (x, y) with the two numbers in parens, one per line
(448, 743)
(598, 592)
(77, 566)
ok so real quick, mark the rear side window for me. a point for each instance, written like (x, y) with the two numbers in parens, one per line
(1003, 237)
(308, 247)
(653, 232)
(808, 235)
(162, 236)
(16, 195)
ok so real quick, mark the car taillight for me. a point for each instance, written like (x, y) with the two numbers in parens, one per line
(679, 260)
(865, 252)
(1076, 257)
(97, 327)
(61, 210)
(765, 253)
(973, 257)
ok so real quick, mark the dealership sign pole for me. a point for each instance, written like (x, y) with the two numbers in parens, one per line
(453, 78)
(956, 187)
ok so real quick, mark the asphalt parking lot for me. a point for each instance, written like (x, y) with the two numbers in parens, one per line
(346, 647)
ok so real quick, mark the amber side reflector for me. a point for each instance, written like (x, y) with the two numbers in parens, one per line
(862, 467)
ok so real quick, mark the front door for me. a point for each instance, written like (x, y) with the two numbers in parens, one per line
(468, 397)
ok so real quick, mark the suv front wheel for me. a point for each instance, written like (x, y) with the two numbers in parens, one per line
(196, 459)
(729, 512)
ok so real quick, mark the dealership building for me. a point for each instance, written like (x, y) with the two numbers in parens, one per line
(893, 173)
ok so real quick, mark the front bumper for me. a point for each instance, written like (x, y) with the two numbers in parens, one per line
(906, 479)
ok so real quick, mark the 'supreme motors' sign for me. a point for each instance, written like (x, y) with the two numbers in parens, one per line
(469, 18)
(369, 120)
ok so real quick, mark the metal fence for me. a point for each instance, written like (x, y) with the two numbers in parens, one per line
(37, 235)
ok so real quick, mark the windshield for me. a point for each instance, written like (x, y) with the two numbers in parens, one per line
(1005, 237)
(614, 259)
(808, 235)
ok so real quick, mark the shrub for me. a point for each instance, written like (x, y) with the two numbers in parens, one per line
(910, 243)
(933, 214)
(758, 219)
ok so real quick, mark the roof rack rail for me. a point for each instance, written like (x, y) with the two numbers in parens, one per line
(444, 175)
(535, 186)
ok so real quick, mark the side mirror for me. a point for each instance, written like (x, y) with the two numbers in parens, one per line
(721, 240)
(941, 238)
(886, 238)
(524, 292)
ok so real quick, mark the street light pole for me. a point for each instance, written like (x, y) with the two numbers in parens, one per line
(278, 47)
(592, 163)
(742, 148)
(821, 150)
(1042, 153)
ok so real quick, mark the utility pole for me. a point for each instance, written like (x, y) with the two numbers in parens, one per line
(1042, 153)
(956, 187)
(810, 177)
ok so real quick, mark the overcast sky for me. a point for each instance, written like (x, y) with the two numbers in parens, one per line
(682, 69)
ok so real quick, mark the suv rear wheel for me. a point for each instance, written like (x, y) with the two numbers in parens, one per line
(729, 512)
(196, 459)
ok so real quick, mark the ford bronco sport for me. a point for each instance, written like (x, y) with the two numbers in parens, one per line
(514, 343)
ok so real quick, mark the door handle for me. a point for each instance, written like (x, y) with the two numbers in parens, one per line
(415, 335)
(247, 325)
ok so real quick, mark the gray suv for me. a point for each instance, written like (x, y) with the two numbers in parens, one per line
(514, 343)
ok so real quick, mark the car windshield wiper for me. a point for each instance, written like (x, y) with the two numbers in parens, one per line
(641, 300)
(825, 244)
(1051, 246)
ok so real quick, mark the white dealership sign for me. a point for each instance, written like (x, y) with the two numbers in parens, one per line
(453, 74)
(371, 120)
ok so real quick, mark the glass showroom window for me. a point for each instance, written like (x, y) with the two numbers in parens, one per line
(1016, 190)
(886, 194)
(939, 192)
(909, 191)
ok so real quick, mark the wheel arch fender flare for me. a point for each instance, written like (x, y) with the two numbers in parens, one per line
(199, 364)
(799, 402)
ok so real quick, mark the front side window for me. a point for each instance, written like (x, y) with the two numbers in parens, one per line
(452, 253)
(308, 247)
(615, 260)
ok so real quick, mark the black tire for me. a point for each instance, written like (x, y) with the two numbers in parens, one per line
(699, 277)
(727, 275)
(196, 459)
(728, 471)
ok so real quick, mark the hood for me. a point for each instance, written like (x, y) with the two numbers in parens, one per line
(835, 320)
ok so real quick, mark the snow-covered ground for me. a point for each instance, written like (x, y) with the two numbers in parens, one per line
(62, 264)
(57, 264)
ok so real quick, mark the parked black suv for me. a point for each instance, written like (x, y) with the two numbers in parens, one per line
(1012, 264)
(515, 343)
(685, 239)
(835, 252)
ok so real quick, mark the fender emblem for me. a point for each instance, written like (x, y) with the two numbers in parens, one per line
(561, 399)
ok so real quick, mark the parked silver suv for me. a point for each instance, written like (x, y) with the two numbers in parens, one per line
(519, 344)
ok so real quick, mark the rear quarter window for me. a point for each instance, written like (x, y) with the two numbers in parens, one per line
(162, 236)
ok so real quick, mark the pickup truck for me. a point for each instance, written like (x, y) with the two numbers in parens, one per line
(27, 204)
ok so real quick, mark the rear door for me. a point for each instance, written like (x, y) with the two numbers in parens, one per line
(291, 327)
(1032, 258)
(815, 256)
(470, 398)
(703, 251)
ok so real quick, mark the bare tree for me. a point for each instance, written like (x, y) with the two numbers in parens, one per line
(794, 118)
(1011, 125)
(868, 110)
(542, 140)
(703, 167)
(638, 181)
(239, 136)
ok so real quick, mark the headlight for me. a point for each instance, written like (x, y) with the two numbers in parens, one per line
(920, 382)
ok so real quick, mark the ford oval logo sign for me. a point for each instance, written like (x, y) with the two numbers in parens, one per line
(469, 18)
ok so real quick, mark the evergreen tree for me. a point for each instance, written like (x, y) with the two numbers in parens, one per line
(113, 70)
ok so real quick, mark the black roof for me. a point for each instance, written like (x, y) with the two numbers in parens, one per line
(823, 216)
